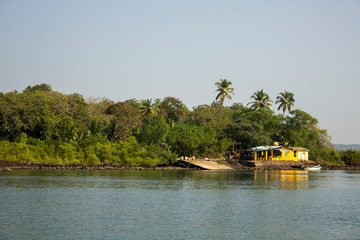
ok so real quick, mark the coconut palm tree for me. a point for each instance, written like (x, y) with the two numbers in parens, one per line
(148, 108)
(286, 101)
(225, 91)
(261, 100)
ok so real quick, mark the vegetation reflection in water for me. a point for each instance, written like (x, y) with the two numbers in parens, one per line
(150, 179)
(179, 204)
(283, 179)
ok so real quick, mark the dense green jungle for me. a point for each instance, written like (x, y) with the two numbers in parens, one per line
(41, 125)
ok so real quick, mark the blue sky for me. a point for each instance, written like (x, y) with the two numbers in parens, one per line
(153, 49)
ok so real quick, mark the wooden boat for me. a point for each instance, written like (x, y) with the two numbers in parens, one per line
(312, 168)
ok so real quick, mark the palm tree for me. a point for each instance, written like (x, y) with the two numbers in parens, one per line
(225, 91)
(286, 101)
(262, 100)
(148, 108)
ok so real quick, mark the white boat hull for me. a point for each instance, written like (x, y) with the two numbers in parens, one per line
(313, 168)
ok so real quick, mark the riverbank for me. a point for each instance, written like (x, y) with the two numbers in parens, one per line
(284, 165)
(240, 166)
(9, 166)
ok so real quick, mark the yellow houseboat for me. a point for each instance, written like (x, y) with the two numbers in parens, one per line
(279, 153)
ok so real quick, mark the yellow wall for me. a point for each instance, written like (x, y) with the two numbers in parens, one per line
(269, 155)
(289, 157)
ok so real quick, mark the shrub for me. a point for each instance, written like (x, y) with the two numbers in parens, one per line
(350, 157)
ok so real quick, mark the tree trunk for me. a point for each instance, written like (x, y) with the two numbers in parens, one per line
(220, 112)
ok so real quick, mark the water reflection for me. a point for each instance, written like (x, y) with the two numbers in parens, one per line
(158, 180)
(179, 205)
(283, 179)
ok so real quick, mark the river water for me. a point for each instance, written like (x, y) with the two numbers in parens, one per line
(173, 204)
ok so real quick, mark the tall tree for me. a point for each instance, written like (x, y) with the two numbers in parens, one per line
(126, 119)
(173, 108)
(261, 100)
(40, 87)
(155, 132)
(148, 108)
(286, 101)
(225, 91)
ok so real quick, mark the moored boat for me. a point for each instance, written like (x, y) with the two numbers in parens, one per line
(312, 168)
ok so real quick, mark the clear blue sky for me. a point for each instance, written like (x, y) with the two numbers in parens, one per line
(153, 49)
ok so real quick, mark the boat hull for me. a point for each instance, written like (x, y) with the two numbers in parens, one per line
(313, 168)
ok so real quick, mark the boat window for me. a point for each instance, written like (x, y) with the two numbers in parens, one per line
(277, 153)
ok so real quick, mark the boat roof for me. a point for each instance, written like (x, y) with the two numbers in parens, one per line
(267, 148)
(299, 149)
(263, 148)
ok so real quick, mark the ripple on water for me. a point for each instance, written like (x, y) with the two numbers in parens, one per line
(179, 205)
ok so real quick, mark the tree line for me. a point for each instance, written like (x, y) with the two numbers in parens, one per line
(46, 126)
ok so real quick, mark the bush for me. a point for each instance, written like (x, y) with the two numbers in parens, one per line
(133, 154)
(350, 157)
(129, 152)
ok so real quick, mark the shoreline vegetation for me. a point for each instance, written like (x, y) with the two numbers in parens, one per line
(8, 166)
(44, 128)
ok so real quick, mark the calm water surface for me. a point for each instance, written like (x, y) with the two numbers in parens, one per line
(179, 205)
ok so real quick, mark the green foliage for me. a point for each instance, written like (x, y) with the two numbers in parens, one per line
(193, 140)
(155, 132)
(224, 89)
(67, 153)
(45, 126)
(41, 87)
(301, 129)
(78, 108)
(204, 115)
(286, 101)
(164, 154)
(133, 154)
(183, 139)
(129, 153)
(251, 128)
(126, 119)
(350, 157)
(37, 112)
(261, 100)
(247, 133)
(64, 129)
(210, 116)
(97, 107)
(148, 108)
(173, 108)
(154, 135)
